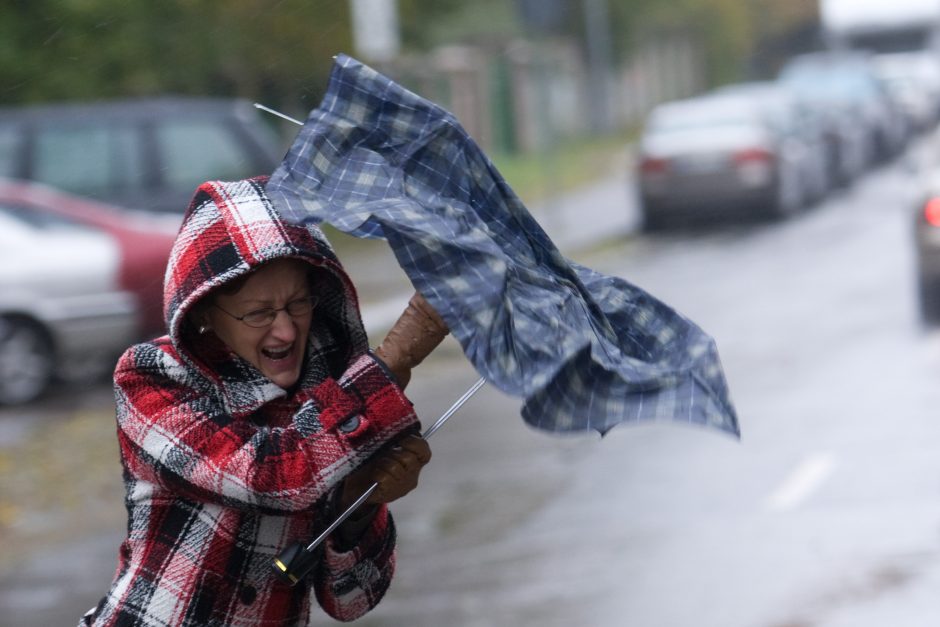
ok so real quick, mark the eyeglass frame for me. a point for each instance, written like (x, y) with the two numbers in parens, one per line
(272, 312)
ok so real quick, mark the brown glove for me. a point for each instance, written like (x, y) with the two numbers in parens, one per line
(417, 332)
(395, 469)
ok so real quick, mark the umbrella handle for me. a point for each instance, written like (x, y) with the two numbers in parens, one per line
(294, 562)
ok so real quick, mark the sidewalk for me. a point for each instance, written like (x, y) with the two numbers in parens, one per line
(575, 221)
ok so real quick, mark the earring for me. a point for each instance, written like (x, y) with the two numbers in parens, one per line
(202, 329)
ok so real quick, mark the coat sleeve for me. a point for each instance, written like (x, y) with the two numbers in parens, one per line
(175, 434)
(349, 583)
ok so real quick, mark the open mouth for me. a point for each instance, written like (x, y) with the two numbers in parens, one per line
(276, 354)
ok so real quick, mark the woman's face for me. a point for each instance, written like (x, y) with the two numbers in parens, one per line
(277, 350)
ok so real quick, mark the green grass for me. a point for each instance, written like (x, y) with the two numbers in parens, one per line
(568, 165)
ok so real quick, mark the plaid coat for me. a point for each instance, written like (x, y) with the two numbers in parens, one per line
(223, 468)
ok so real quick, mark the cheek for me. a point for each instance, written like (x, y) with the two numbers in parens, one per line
(237, 337)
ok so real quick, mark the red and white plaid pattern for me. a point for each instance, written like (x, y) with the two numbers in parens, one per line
(224, 469)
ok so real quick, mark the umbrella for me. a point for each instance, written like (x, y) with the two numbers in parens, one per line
(583, 350)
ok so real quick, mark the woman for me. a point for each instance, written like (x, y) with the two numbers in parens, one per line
(259, 417)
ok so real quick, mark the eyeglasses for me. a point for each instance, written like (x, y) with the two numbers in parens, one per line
(260, 318)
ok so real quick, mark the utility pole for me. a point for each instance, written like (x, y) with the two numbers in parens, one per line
(376, 35)
(598, 49)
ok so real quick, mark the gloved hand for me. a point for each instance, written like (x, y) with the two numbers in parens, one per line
(417, 332)
(395, 469)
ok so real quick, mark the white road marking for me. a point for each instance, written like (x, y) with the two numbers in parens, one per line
(801, 483)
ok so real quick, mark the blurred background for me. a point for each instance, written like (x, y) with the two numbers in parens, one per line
(767, 167)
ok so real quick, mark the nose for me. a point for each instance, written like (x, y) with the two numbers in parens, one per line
(283, 327)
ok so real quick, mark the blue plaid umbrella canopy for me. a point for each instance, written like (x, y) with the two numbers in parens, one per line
(584, 351)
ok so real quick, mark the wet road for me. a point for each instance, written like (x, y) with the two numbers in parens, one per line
(825, 514)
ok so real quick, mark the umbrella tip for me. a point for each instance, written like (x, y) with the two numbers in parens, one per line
(258, 105)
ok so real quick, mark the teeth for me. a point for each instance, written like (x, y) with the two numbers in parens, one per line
(274, 354)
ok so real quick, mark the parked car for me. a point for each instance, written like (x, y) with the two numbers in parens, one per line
(714, 154)
(927, 237)
(847, 145)
(847, 83)
(145, 154)
(927, 245)
(79, 283)
(914, 80)
(801, 132)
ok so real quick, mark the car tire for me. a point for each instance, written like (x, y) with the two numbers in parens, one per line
(784, 202)
(26, 361)
(653, 217)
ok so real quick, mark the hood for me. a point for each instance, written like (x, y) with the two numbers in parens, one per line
(230, 229)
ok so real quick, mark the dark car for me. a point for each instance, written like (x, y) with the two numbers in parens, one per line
(146, 154)
(927, 251)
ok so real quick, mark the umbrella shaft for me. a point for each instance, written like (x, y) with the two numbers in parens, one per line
(427, 434)
(453, 408)
(342, 517)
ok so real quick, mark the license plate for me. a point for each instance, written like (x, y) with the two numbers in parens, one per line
(701, 164)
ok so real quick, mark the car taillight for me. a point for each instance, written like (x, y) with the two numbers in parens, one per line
(753, 155)
(932, 211)
(653, 165)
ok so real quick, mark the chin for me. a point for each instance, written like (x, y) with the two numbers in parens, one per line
(285, 380)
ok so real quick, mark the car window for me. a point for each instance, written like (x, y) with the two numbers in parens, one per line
(9, 149)
(89, 160)
(705, 117)
(193, 151)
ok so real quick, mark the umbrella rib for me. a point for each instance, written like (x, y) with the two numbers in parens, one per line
(278, 114)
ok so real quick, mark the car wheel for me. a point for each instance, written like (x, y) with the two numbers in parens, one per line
(652, 216)
(785, 200)
(26, 361)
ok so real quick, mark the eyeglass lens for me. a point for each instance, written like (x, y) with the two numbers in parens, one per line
(295, 309)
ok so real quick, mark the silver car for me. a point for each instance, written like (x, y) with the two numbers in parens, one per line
(847, 82)
(711, 155)
(800, 133)
(61, 309)
(914, 79)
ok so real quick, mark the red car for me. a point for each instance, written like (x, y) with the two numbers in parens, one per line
(144, 240)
